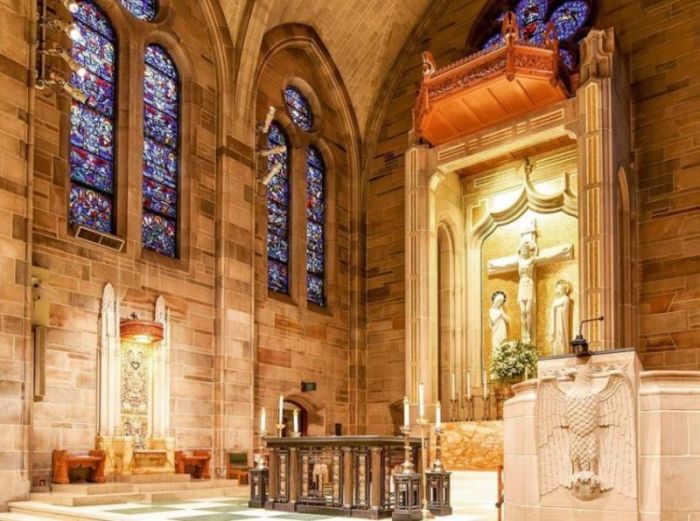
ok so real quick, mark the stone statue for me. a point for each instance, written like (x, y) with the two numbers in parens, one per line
(524, 263)
(585, 436)
(498, 320)
(560, 330)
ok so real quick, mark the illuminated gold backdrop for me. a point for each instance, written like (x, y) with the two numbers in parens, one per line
(553, 229)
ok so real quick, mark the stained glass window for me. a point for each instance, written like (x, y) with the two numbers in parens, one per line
(91, 199)
(299, 108)
(161, 127)
(278, 212)
(315, 226)
(570, 18)
(141, 9)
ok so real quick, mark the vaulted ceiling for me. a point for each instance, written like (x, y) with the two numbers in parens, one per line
(363, 37)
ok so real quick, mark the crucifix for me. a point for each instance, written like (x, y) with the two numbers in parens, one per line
(525, 262)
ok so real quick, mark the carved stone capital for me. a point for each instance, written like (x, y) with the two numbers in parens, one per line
(597, 51)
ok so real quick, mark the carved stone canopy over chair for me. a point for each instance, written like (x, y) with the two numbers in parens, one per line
(509, 80)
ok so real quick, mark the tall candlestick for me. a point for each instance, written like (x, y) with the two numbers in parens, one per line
(438, 415)
(421, 401)
(263, 420)
(469, 385)
(281, 410)
(296, 420)
(453, 395)
(406, 413)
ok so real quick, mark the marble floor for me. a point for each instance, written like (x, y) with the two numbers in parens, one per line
(473, 499)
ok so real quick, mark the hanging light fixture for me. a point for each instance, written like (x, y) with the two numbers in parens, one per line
(139, 331)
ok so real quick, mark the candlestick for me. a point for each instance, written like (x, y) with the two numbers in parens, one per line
(263, 420)
(407, 465)
(438, 416)
(469, 385)
(423, 422)
(281, 410)
(421, 400)
(437, 463)
(453, 394)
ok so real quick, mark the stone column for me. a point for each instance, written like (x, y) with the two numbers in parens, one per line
(348, 485)
(604, 149)
(421, 324)
(375, 497)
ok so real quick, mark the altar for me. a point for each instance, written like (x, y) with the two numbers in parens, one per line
(338, 476)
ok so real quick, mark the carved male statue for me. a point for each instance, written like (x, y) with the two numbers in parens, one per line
(498, 320)
(560, 329)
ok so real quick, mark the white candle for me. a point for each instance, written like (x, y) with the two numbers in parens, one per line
(438, 415)
(469, 385)
(454, 386)
(296, 420)
(281, 411)
(406, 413)
(421, 401)
(263, 420)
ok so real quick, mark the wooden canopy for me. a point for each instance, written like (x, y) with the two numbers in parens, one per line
(491, 86)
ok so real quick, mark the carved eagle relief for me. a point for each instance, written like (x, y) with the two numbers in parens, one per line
(585, 437)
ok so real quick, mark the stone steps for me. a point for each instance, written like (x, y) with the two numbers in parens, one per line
(80, 500)
(14, 516)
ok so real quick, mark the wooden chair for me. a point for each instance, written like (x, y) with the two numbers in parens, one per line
(238, 467)
(196, 465)
(63, 462)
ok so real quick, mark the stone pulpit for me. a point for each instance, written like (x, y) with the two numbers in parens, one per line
(598, 438)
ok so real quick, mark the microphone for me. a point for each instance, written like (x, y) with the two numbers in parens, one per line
(579, 345)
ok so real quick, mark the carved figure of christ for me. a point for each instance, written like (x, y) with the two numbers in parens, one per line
(525, 264)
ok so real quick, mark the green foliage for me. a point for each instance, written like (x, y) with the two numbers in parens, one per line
(512, 360)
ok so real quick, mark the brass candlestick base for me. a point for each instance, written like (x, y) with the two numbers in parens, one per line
(280, 429)
(454, 410)
(423, 422)
(469, 409)
(407, 465)
(487, 408)
(262, 463)
(296, 434)
(437, 464)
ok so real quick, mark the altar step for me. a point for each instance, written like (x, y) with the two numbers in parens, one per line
(143, 491)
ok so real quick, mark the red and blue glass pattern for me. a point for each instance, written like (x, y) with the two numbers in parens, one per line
(278, 213)
(161, 127)
(315, 226)
(141, 9)
(533, 16)
(299, 108)
(92, 122)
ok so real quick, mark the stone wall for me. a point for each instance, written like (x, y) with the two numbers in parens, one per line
(659, 38)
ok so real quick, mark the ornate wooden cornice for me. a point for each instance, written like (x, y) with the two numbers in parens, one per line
(488, 87)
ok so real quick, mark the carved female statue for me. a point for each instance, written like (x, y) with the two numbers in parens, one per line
(560, 332)
(498, 320)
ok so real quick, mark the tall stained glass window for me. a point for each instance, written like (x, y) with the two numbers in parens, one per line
(299, 108)
(315, 227)
(141, 9)
(92, 121)
(278, 213)
(571, 20)
(161, 126)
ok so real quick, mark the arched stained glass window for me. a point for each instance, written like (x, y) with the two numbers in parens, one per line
(92, 121)
(315, 226)
(161, 128)
(571, 19)
(299, 108)
(141, 9)
(278, 213)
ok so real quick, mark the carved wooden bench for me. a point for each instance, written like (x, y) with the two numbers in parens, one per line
(196, 465)
(63, 462)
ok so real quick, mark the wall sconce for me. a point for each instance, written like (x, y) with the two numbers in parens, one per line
(139, 331)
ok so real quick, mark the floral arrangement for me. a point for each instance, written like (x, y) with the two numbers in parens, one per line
(514, 360)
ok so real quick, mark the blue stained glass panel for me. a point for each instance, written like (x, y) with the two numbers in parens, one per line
(277, 276)
(159, 198)
(567, 58)
(314, 289)
(141, 9)
(493, 41)
(158, 234)
(314, 262)
(530, 15)
(569, 18)
(278, 214)
(92, 122)
(160, 156)
(91, 170)
(299, 108)
(90, 208)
